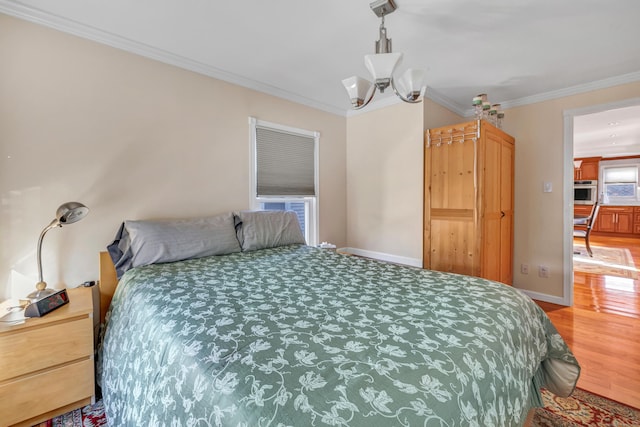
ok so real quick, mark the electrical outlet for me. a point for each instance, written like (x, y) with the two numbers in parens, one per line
(543, 271)
(524, 268)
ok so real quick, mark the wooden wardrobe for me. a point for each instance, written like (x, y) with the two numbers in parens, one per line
(468, 200)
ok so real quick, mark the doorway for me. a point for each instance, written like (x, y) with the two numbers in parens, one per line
(570, 149)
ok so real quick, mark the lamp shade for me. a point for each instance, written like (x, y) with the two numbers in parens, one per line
(381, 67)
(360, 91)
(410, 86)
(71, 212)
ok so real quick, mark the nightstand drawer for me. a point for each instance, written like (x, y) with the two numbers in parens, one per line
(30, 396)
(49, 345)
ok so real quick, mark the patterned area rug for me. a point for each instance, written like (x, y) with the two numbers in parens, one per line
(609, 261)
(89, 416)
(583, 409)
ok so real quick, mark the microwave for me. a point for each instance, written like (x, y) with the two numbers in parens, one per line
(585, 192)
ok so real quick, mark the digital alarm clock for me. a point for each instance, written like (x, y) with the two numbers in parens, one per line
(47, 304)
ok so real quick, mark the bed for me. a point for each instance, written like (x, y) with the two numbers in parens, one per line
(287, 334)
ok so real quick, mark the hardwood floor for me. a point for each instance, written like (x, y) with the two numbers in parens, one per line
(603, 328)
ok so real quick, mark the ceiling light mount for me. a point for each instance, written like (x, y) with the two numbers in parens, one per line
(409, 88)
(383, 7)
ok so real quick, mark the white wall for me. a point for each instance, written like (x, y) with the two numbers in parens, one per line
(131, 138)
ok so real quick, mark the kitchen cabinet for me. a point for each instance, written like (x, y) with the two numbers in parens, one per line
(582, 210)
(589, 169)
(636, 220)
(468, 200)
(615, 219)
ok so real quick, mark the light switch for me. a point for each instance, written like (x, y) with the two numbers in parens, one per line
(548, 187)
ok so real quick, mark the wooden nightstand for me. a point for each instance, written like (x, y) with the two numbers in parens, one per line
(46, 363)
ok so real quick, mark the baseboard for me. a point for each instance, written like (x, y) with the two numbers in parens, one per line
(396, 259)
(414, 262)
(544, 297)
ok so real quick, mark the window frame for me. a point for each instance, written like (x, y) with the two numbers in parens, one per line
(311, 202)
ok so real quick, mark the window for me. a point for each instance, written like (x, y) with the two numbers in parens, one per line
(285, 172)
(620, 183)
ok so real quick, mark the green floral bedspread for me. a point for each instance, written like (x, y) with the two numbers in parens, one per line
(300, 336)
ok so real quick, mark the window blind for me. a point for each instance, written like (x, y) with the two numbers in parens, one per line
(626, 174)
(284, 163)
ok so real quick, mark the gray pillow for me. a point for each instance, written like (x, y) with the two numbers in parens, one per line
(267, 229)
(140, 243)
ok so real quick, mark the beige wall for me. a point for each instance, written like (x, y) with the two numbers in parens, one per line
(436, 115)
(385, 160)
(384, 181)
(539, 224)
(131, 138)
(134, 138)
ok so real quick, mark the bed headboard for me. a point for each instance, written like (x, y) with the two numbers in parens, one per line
(108, 283)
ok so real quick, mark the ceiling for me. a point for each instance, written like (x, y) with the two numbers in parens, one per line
(516, 51)
(609, 133)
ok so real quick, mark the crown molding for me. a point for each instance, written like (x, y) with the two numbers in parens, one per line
(599, 108)
(568, 91)
(103, 37)
(442, 100)
(573, 90)
(66, 25)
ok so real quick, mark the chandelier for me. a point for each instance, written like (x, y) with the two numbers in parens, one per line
(409, 87)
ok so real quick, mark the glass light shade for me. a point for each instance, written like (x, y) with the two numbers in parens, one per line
(381, 67)
(410, 86)
(360, 91)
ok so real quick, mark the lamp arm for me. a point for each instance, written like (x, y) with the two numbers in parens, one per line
(53, 224)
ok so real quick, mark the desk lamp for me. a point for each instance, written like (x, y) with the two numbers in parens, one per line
(67, 213)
